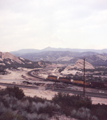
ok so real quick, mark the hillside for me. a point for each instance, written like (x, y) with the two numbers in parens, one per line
(8, 60)
(80, 64)
(68, 57)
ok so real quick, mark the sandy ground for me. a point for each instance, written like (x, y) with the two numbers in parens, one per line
(99, 100)
(40, 93)
(73, 72)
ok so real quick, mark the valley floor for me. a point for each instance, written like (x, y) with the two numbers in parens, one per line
(49, 94)
(18, 76)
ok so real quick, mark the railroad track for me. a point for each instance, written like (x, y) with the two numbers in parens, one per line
(20, 86)
(30, 73)
(89, 94)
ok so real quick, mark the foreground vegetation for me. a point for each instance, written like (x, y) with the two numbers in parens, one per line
(14, 105)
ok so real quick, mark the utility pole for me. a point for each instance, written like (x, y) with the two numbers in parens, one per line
(84, 80)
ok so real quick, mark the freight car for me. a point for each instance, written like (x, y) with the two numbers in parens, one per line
(64, 79)
(98, 85)
(78, 82)
(52, 77)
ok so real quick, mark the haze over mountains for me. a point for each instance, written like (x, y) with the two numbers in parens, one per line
(64, 55)
(25, 51)
(31, 57)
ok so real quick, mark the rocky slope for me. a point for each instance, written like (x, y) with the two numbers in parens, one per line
(9, 60)
(80, 64)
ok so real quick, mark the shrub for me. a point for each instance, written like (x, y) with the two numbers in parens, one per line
(83, 114)
(34, 99)
(75, 101)
(8, 115)
(49, 108)
(100, 111)
(3, 92)
(4, 101)
(35, 116)
(2, 108)
(46, 108)
(15, 92)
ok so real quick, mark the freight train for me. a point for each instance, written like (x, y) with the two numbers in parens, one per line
(77, 82)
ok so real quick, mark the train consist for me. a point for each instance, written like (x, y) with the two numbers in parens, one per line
(60, 79)
(77, 82)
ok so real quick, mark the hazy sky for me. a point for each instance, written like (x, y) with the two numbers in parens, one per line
(56, 23)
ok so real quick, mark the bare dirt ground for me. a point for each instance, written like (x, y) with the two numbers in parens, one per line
(48, 94)
(21, 74)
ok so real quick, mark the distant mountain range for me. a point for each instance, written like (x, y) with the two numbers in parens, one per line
(40, 58)
(26, 51)
(64, 55)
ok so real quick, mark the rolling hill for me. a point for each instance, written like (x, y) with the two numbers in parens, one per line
(64, 55)
(7, 60)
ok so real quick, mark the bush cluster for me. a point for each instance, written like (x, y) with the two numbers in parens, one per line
(68, 102)
(100, 111)
(13, 91)
(14, 107)
(80, 107)
(84, 114)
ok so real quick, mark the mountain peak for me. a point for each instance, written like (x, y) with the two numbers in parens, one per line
(48, 49)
